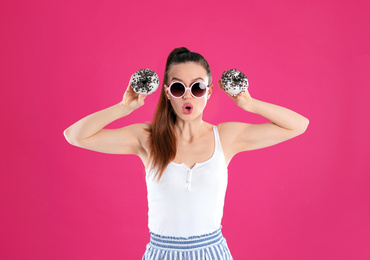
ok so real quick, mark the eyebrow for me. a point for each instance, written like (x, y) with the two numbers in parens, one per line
(182, 81)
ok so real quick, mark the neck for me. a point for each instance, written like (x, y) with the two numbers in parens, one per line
(189, 130)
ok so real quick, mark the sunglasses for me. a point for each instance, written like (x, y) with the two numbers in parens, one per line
(178, 89)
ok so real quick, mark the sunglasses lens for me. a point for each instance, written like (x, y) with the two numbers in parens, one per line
(199, 89)
(177, 89)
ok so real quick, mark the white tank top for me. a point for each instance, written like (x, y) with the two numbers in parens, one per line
(188, 202)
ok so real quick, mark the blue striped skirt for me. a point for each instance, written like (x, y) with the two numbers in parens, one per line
(210, 246)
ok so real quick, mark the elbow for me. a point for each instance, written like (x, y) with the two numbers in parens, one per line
(68, 136)
(306, 123)
(303, 125)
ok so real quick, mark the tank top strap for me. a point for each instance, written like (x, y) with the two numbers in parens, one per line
(217, 139)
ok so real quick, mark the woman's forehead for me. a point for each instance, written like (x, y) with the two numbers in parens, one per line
(187, 72)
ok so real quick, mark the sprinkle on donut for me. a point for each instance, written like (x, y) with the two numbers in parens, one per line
(144, 81)
(234, 82)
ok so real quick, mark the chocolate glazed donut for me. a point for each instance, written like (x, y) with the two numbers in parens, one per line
(144, 81)
(234, 82)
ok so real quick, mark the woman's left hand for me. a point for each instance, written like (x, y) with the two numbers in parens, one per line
(243, 99)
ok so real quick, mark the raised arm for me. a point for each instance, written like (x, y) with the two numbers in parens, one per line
(88, 132)
(238, 137)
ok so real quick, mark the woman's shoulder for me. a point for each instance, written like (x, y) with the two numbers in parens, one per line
(141, 127)
(226, 126)
(229, 130)
(223, 128)
(230, 126)
(140, 131)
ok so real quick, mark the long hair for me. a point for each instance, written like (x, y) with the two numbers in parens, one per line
(162, 138)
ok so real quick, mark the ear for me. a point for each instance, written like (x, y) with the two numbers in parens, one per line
(166, 91)
(210, 90)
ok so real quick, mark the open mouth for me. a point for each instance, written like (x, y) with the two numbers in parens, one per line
(187, 108)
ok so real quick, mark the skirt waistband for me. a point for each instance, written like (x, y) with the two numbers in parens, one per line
(190, 243)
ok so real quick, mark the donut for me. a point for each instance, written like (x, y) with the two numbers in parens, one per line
(234, 82)
(144, 81)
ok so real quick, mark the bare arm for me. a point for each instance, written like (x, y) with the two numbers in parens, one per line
(88, 132)
(285, 124)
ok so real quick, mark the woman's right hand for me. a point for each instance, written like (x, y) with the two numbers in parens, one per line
(131, 99)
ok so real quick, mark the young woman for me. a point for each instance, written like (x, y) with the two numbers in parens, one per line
(185, 158)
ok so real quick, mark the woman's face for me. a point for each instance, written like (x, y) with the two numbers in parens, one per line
(188, 107)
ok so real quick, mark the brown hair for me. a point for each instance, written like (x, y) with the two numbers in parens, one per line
(162, 140)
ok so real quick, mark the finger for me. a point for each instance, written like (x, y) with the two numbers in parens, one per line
(129, 83)
(130, 92)
(220, 85)
(222, 88)
(233, 97)
(141, 98)
(239, 96)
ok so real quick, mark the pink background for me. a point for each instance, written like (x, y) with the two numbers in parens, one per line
(307, 198)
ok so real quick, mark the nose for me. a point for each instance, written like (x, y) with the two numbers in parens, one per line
(187, 94)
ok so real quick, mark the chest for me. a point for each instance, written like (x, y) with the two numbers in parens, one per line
(207, 177)
(196, 152)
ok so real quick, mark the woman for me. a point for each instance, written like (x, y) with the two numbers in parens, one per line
(185, 158)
